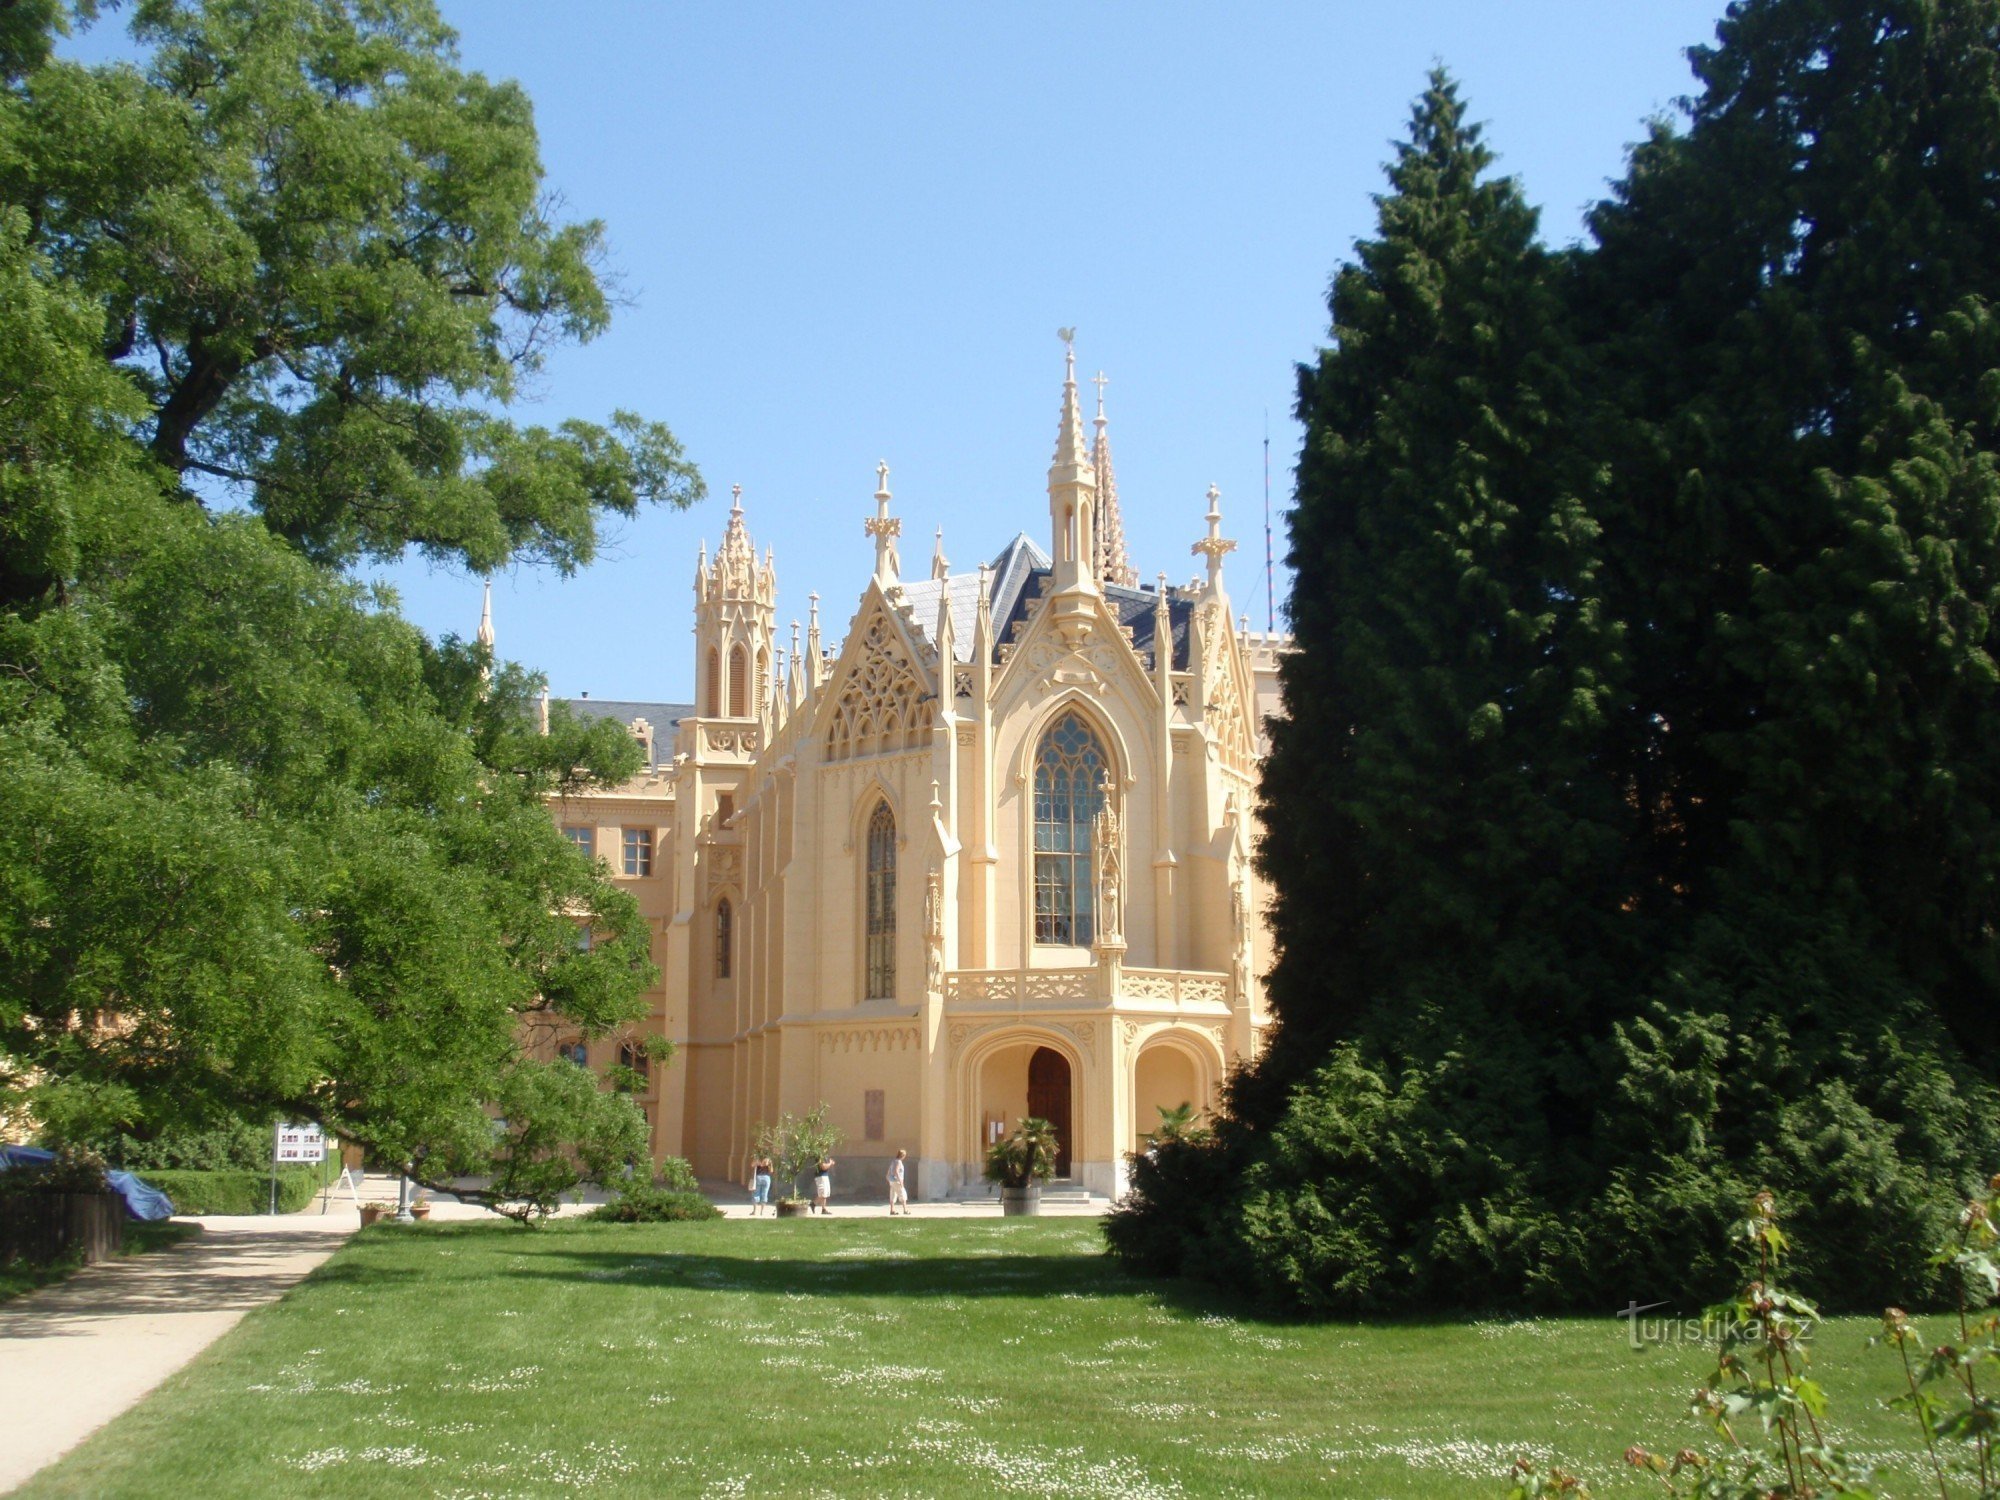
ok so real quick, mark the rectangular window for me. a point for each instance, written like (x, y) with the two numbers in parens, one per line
(871, 1113)
(638, 851)
(585, 940)
(583, 836)
(725, 808)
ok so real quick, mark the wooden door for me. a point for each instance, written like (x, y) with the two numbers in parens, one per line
(1048, 1098)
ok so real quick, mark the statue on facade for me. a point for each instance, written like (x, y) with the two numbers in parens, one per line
(1109, 856)
(934, 931)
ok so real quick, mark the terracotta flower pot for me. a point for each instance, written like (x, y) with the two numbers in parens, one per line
(373, 1212)
(791, 1208)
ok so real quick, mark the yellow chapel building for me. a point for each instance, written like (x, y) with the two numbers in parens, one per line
(986, 855)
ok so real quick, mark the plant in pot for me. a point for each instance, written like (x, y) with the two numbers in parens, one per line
(1021, 1162)
(792, 1146)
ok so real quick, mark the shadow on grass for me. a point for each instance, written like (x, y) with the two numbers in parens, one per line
(842, 1270)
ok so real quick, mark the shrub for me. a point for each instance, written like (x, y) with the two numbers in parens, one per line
(235, 1146)
(1771, 1414)
(652, 1205)
(675, 1173)
(237, 1192)
(75, 1170)
(1151, 1229)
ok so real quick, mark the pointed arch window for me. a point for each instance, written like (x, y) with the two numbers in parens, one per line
(716, 707)
(739, 683)
(725, 938)
(1070, 767)
(881, 977)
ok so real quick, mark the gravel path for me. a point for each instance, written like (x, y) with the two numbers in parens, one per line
(75, 1355)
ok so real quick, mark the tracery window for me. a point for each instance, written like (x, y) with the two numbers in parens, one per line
(1070, 766)
(725, 935)
(883, 704)
(881, 904)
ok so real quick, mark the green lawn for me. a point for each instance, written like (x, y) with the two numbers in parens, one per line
(18, 1277)
(876, 1357)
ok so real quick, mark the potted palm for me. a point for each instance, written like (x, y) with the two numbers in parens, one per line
(1021, 1162)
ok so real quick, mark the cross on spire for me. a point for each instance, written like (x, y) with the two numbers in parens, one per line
(885, 528)
(1214, 546)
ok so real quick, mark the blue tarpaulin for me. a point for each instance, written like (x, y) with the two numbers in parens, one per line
(142, 1200)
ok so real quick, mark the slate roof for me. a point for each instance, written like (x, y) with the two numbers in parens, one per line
(662, 716)
(1020, 574)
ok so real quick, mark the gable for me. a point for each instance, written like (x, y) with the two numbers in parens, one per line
(882, 700)
(1226, 691)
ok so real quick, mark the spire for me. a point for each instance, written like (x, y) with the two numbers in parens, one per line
(736, 559)
(1072, 487)
(1113, 566)
(795, 675)
(815, 660)
(485, 635)
(1212, 546)
(940, 567)
(885, 528)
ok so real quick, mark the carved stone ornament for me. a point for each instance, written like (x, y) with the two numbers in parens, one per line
(1108, 852)
(883, 704)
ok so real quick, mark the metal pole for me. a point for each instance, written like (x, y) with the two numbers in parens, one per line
(403, 1214)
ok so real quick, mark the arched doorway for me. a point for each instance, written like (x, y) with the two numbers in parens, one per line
(1048, 1098)
(1165, 1078)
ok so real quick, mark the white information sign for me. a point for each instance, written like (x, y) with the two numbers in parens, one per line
(300, 1143)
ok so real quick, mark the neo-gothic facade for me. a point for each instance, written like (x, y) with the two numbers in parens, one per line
(985, 855)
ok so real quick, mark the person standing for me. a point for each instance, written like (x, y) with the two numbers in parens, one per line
(760, 1185)
(822, 1184)
(898, 1192)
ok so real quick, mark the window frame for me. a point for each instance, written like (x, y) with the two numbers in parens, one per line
(879, 863)
(638, 851)
(1067, 796)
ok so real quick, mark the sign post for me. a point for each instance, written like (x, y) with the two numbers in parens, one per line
(294, 1143)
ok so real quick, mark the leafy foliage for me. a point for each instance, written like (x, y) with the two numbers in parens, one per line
(266, 850)
(236, 1190)
(1773, 1414)
(796, 1142)
(1025, 1155)
(1630, 826)
(654, 1205)
(557, 1130)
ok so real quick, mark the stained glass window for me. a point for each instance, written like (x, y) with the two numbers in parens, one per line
(1068, 771)
(882, 904)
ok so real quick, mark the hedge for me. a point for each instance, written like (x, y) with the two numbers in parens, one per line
(236, 1192)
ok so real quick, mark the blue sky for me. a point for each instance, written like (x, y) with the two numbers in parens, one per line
(849, 233)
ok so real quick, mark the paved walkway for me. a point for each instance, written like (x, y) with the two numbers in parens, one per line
(75, 1355)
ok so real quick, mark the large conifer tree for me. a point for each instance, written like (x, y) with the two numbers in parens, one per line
(1703, 520)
